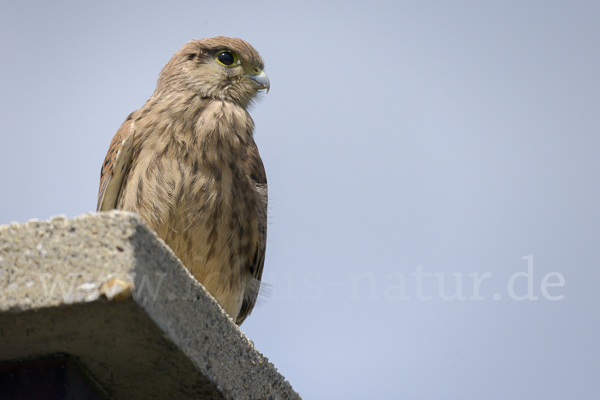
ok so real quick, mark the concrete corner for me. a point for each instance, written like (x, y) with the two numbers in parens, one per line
(105, 291)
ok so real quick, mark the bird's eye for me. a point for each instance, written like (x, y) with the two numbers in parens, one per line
(226, 58)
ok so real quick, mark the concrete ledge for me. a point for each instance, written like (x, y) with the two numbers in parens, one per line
(105, 290)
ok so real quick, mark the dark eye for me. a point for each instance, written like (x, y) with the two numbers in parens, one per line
(226, 58)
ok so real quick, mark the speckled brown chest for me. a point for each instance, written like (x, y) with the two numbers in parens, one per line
(191, 180)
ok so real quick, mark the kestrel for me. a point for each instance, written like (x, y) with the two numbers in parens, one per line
(187, 163)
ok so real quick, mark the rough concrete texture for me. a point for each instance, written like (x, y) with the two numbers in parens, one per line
(106, 290)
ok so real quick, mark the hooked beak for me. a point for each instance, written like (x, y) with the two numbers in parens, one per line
(261, 80)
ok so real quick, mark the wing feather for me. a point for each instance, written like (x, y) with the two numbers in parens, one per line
(116, 166)
(259, 179)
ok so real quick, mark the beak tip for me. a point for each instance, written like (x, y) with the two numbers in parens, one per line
(261, 80)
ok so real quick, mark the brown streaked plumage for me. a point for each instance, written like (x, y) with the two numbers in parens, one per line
(186, 162)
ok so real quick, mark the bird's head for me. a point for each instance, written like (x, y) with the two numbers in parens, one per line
(218, 67)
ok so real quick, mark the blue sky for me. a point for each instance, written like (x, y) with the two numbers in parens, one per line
(411, 148)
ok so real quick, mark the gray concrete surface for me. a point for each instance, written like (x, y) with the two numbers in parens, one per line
(105, 290)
